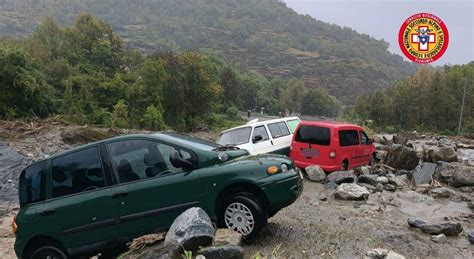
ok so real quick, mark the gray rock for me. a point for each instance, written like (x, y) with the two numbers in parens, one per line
(379, 187)
(225, 236)
(423, 174)
(442, 192)
(435, 154)
(467, 189)
(401, 157)
(350, 191)
(368, 178)
(331, 185)
(382, 179)
(390, 187)
(466, 156)
(441, 238)
(415, 222)
(315, 173)
(383, 253)
(470, 236)
(448, 228)
(397, 181)
(463, 176)
(190, 230)
(393, 255)
(369, 187)
(218, 252)
(340, 177)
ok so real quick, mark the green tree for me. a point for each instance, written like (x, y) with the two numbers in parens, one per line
(153, 119)
(120, 115)
(24, 91)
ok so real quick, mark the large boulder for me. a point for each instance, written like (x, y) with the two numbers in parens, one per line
(190, 230)
(11, 165)
(402, 157)
(448, 228)
(340, 177)
(315, 173)
(435, 154)
(444, 171)
(463, 176)
(423, 174)
(351, 191)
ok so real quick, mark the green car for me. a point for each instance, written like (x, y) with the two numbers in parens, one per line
(90, 199)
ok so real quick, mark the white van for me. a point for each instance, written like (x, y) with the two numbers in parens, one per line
(260, 137)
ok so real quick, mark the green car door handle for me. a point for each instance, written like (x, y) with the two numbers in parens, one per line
(119, 195)
(47, 212)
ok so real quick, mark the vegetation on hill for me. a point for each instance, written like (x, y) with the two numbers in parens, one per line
(262, 36)
(430, 100)
(84, 73)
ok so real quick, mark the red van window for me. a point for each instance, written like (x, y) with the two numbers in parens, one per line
(348, 138)
(313, 135)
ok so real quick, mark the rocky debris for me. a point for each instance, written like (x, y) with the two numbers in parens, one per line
(384, 139)
(369, 187)
(442, 192)
(315, 173)
(226, 251)
(463, 176)
(340, 177)
(444, 171)
(11, 165)
(379, 187)
(381, 155)
(470, 236)
(368, 179)
(467, 189)
(190, 230)
(351, 191)
(331, 185)
(382, 180)
(466, 156)
(441, 238)
(423, 174)
(225, 236)
(379, 253)
(448, 228)
(398, 182)
(435, 154)
(402, 157)
(390, 187)
(146, 240)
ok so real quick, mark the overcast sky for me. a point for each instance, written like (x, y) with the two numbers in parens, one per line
(382, 20)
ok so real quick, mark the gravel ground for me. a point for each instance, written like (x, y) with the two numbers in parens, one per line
(348, 229)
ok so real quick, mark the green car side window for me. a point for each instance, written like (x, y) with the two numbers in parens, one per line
(77, 172)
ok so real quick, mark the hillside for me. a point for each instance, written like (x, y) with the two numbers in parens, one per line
(262, 36)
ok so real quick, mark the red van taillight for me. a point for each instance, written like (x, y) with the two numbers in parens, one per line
(332, 154)
(14, 225)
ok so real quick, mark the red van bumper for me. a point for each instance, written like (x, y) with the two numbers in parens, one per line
(327, 168)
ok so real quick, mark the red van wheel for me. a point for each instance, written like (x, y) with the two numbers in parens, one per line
(345, 165)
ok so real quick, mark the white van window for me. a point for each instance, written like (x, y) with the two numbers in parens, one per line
(235, 137)
(313, 135)
(278, 129)
(260, 130)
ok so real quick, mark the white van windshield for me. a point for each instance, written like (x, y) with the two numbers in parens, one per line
(235, 137)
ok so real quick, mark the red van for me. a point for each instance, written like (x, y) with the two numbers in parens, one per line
(332, 145)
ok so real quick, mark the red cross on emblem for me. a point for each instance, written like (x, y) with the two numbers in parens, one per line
(423, 46)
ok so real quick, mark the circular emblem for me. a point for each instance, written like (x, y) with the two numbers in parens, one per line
(423, 38)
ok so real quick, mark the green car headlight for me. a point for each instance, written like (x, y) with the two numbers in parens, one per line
(284, 168)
